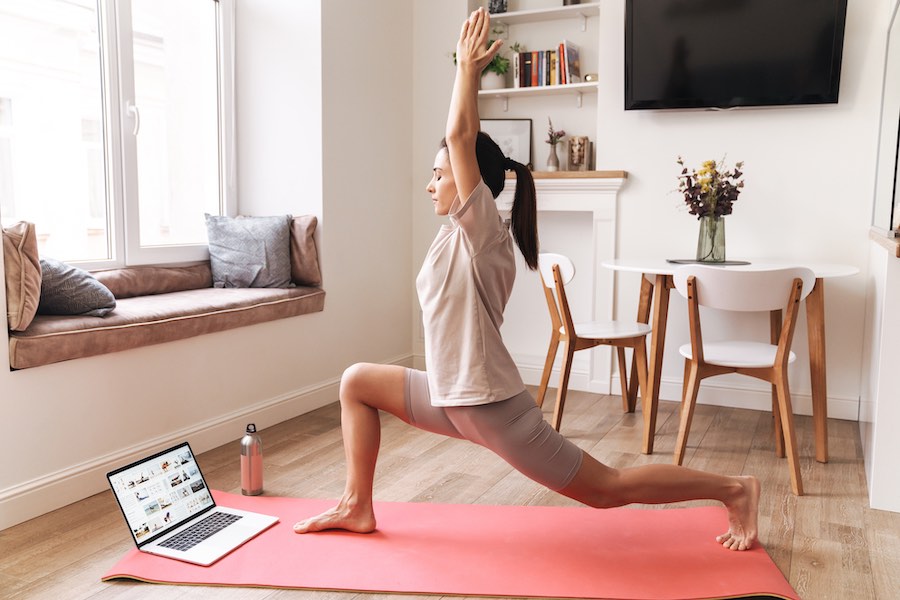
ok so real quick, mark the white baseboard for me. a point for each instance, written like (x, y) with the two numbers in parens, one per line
(711, 392)
(758, 399)
(55, 490)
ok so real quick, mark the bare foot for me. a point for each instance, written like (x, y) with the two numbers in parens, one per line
(742, 514)
(350, 518)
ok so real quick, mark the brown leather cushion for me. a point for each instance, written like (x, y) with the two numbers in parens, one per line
(304, 256)
(23, 274)
(130, 282)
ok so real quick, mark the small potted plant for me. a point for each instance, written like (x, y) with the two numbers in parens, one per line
(493, 77)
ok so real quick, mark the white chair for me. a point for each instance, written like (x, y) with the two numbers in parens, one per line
(743, 290)
(556, 271)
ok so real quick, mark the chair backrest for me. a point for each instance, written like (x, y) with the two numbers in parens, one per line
(743, 289)
(546, 260)
(555, 292)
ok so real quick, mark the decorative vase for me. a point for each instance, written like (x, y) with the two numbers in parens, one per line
(711, 240)
(552, 159)
(492, 81)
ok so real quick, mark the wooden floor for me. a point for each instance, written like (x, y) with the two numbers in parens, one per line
(827, 543)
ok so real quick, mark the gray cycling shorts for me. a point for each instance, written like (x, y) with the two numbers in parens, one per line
(514, 429)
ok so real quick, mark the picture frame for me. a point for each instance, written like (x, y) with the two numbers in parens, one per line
(512, 135)
(578, 153)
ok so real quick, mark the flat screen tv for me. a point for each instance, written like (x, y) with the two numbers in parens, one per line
(731, 53)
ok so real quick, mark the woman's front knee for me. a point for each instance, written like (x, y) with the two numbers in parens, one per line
(353, 380)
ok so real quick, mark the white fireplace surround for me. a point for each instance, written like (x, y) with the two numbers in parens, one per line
(593, 196)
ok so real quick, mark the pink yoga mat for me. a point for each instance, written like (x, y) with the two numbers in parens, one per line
(480, 550)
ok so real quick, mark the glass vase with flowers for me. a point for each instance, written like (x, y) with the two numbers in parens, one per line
(710, 193)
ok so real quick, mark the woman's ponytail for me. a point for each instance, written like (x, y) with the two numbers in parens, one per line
(524, 214)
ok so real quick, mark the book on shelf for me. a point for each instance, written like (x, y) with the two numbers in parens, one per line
(537, 68)
(554, 71)
(517, 70)
(571, 59)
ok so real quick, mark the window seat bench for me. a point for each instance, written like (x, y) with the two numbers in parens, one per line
(164, 304)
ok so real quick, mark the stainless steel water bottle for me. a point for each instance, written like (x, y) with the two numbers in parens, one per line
(251, 462)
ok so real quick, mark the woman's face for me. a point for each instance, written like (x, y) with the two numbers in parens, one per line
(442, 186)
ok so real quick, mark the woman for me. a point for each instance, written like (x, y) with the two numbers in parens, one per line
(472, 389)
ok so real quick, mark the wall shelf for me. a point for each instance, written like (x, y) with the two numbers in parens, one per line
(575, 89)
(575, 11)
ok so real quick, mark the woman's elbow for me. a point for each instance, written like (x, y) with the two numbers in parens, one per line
(460, 138)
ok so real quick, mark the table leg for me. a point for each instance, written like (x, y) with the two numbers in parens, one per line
(815, 324)
(650, 400)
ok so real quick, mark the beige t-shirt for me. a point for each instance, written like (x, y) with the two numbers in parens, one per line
(463, 287)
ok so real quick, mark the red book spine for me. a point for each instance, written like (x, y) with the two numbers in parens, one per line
(561, 65)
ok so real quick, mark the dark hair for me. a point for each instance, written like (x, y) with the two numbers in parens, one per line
(493, 166)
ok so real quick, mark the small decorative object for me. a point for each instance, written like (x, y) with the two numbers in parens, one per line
(591, 78)
(497, 6)
(579, 153)
(553, 139)
(570, 2)
(710, 193)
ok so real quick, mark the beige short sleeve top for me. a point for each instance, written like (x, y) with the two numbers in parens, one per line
(463, 286)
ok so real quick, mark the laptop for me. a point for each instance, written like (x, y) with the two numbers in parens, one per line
(171, 512)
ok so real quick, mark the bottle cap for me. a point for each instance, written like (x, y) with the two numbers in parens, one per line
(251, 428)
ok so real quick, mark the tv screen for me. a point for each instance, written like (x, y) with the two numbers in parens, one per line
(729, 53)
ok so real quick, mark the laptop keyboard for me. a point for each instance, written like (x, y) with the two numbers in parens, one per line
(200, 531)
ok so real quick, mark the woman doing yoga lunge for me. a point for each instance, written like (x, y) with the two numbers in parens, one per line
(472, 389)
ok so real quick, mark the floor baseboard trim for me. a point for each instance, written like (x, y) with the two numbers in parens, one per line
(33, 498)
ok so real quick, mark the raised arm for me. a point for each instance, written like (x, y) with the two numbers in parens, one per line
(472, 56)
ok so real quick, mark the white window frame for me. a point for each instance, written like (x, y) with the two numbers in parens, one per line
(121, 147)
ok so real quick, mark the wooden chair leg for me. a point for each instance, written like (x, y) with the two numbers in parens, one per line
(627, 402)
(776, 318)
(548, 368)
(779, 430)
(790, 439)
(643, 316)
(640, 368)
(687, 410)
(568, 354)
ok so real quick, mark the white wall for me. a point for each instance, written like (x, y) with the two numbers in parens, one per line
(809, 181)
(65, 425)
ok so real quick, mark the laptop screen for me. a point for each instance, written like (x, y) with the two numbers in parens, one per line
(158, 493)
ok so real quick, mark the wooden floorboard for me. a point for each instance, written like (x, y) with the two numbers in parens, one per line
(829, 544)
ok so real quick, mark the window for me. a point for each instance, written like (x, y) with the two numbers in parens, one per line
(116, 130)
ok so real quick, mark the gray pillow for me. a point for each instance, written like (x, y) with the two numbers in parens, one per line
(250, 251)
(68, 290)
